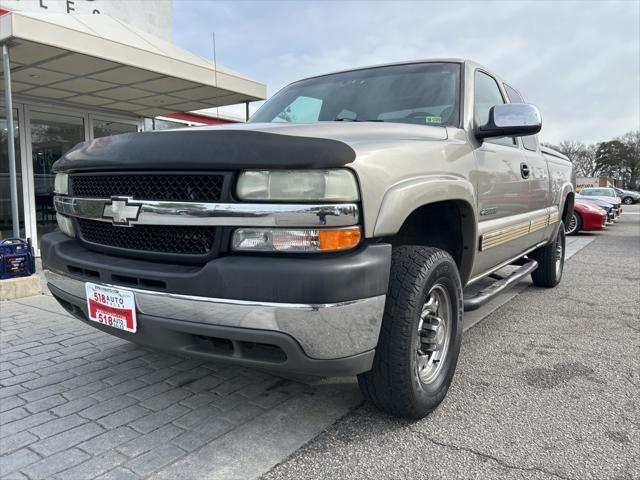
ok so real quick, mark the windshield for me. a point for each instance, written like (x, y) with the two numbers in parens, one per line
(603, 192)
(424, 94)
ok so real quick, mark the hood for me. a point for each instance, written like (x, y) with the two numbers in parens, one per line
(598, 199)
(611, 200)
(240, 146)
(352, 133)
(585, 203)
(595, 201)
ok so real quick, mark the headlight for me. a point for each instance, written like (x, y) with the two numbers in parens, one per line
(305, 240)
(61, 184)
(298, 185)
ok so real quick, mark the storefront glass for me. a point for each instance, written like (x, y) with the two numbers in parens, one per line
(160, 124)
(52, 135)
(6, 227)
(104, 128)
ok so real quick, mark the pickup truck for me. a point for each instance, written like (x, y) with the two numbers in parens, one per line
(332, 235)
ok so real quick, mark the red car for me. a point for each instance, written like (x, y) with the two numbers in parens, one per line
(586, 216)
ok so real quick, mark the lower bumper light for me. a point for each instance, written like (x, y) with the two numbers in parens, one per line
(295, 240)
(65, 224)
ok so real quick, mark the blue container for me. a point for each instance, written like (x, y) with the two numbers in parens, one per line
(16, 258)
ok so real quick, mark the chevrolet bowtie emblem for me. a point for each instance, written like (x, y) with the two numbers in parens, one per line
(120, 211)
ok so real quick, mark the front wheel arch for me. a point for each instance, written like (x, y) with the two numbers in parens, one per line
(568, 207)
(448, 225)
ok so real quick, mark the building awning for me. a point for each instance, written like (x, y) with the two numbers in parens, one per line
(96, 61)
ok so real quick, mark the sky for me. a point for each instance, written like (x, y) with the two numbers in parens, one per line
(578, 61)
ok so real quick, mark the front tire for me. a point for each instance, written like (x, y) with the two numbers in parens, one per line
(575, 224)
(421, 333)
(550, 260)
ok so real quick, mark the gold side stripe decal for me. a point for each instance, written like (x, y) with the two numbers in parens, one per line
(539, 223)
(504, 235)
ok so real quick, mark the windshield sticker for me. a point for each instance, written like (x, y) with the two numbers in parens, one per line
(433, 119)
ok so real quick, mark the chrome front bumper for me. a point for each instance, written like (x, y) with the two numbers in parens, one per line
(324, 332)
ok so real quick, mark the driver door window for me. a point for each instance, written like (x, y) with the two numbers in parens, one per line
(487, 94)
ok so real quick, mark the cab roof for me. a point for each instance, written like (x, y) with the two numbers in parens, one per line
(461, 61)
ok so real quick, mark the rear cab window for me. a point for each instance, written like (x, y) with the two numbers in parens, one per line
(530, 142)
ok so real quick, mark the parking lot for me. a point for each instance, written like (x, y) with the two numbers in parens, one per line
(547, 387)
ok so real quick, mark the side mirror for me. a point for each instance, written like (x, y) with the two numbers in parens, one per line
(511, 120)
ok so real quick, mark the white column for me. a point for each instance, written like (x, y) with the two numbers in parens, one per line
(8, 105)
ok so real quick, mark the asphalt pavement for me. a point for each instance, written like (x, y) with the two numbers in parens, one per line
(547, 387)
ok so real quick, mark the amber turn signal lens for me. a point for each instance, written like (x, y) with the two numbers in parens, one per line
(296, 240)
(341, 239)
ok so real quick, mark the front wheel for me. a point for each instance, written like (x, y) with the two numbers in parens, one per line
(627, 200)
(421, 333)
(550, 258)
(575, 224)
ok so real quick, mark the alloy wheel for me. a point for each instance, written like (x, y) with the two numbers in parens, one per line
(559, 248)
(434, 332)
(573, 224)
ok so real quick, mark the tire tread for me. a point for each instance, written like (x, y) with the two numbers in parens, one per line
(545, 274)
(381, 385)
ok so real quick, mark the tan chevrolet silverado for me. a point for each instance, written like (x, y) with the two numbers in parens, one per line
(334, 234)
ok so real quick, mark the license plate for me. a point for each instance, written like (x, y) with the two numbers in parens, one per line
(111, 306)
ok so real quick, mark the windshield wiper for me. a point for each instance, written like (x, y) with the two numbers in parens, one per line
(347, 119)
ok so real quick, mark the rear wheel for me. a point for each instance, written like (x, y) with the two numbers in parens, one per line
(574, 225)
(550, 260)
(421, 333)
(627, 200)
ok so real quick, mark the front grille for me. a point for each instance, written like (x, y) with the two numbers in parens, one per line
(181, 240)
(169, 187)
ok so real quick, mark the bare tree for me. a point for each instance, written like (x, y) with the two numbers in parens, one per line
(582, 156)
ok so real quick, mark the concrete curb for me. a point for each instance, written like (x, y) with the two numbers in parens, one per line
(20, 287)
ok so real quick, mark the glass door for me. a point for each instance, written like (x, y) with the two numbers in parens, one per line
(52, 135)
(102, 127)
(6, 220)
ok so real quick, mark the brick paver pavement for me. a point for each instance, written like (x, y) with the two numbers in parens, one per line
(80, 404)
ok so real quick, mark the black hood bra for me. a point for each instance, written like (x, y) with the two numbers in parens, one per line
(204, 150)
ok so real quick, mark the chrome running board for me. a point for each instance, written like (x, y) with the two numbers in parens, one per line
(499, 286)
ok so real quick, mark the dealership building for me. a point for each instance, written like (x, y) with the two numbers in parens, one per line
(81, 70)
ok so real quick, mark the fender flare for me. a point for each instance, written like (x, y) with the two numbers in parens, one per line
(403, 198)
(567, 188)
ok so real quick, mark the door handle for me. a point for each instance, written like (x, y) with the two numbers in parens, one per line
(524, 170)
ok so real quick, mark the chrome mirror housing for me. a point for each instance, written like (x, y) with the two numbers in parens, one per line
(511, 119)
